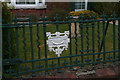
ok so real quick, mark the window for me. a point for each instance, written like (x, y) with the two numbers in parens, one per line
(30, 1)
(20, 1)
(25, 1)
(80, 5)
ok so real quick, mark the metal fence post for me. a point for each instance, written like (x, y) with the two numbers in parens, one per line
(119, 39)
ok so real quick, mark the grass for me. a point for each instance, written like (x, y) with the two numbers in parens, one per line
(39, 49)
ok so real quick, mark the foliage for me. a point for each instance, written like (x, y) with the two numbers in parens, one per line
(8, 33)
(103, 7)
(8, 36)
(118, 8)
(85, 13)
(7, 16)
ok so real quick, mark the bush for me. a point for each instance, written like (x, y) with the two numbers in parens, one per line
(85, 13)
(8, 37)
(7, 18)
(118, 8)
(103, 7)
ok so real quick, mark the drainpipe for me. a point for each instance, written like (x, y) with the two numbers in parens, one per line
(86, 4)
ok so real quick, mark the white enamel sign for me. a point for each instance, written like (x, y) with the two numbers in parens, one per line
(58, 42)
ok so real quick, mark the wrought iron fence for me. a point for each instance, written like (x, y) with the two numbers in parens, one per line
(53, 45)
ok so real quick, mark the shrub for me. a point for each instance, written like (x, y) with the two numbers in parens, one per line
(8, 37)
(118, 8)
(85, 13)
(103, 7)
(7, 18)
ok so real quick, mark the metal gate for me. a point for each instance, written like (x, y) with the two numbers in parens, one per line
(35, 47)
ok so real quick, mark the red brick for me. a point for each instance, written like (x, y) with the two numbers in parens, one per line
(29, 11)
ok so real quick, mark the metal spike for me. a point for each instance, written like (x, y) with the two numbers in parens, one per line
(114, 15)
(69, 17)
(81, 17)
(93, 16)
(57, 18)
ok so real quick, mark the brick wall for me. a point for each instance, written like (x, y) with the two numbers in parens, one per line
(40, 12)
(26, 12)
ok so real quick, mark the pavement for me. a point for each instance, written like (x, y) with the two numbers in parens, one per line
(111, 72)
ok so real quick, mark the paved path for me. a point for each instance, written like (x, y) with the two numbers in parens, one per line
(111, 72)
(103, 73)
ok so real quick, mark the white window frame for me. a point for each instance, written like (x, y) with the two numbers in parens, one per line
(37, 5)
(80, 9)
(25, 2)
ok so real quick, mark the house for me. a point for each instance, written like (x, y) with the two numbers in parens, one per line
(40, 7)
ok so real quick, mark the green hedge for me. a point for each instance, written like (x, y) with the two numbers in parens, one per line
(104, 7)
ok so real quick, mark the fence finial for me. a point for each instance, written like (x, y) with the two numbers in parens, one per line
(93, 16)
(69, 17)
(81, 17)
(114, 15)
(103, 16)
(56, 18)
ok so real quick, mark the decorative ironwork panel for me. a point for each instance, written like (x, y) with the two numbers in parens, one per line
(58, 42)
